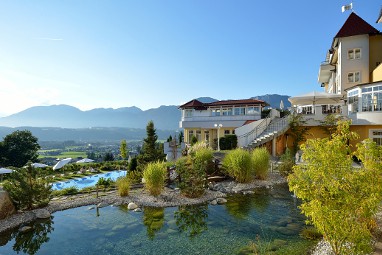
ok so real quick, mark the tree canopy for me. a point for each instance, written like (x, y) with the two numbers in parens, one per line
(18, 148)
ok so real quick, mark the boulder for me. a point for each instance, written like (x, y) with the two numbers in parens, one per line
(42, 214)
(214, 202)
(221, 200)
(132, 206)
(6, 206)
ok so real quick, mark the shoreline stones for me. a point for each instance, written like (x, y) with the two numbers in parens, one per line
(42, 214)
(132, 206)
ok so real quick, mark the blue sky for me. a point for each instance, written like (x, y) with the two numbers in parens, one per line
(111, 54)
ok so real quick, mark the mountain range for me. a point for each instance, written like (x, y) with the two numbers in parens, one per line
(51, 122)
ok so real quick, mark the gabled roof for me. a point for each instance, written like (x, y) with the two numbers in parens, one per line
(355, 25)
(195, 104)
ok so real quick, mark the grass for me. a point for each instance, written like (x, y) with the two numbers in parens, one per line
(65, 154)
(238, 164)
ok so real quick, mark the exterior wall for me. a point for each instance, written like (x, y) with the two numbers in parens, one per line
(376, 75)
(375, 44)
(207, 135)
(363, 132)
(353, 65)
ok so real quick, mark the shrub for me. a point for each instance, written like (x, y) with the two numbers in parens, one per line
(287, 163)
(105, 183)
(228, 142)
(27, 189)
(260, 157)
(66, 191)
(135, 176)
(155, 176)
(310, 233)
(123, 186)
(193, 171)
(194, 140)
(238, 164)
(197, 146)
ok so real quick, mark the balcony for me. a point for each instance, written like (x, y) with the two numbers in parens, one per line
(324, 72)
(209, 121)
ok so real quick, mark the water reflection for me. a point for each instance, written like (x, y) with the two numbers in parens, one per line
(240, 205)
(153, 219)
(30, 241)
(192, 219)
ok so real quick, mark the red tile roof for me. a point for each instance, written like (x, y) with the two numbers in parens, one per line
(195, 104)
(355, 25)
(192, 104)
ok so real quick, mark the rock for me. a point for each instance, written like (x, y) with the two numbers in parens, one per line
(25, 229)
(248, 192)
(221, 200)
(211, 185)
(42, 214)
(132, 206)
(6, 206)
(214, 202)
(138, 210)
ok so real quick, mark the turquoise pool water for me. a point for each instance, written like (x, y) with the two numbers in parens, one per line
(269, 215)
(87, 181)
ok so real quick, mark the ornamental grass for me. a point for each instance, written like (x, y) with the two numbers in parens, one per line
(238, 164)
(123, 186)
(155, 176)
(260, 158)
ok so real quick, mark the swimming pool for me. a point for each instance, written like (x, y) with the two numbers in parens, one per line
(88, 181)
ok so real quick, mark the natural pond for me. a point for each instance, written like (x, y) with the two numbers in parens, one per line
(268, 216)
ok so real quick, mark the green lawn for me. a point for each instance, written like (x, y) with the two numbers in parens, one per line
(67, 154)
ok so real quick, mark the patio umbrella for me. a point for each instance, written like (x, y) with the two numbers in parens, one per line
(61, 163)
(38, 165)
(315, 97)
(5, 171)
(85, 160)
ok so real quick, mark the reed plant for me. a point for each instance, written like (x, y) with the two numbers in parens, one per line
(260, 158)
(238, 164)
(155, 176)
(123, 186)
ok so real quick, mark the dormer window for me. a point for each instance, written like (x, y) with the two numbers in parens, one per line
(354, 53)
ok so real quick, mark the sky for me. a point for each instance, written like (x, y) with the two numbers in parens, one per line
(120, 53)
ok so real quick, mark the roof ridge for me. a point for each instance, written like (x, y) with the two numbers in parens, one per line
(355, 25)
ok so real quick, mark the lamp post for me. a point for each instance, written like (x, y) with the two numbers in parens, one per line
(218, 126)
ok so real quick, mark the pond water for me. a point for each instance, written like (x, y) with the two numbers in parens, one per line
(269, 215)
(87, 181)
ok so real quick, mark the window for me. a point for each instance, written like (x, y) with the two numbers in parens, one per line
(372, 98)
(307, 110)
(353, 101)
(216, 112)
(376, 136)
(354, 77)
(188, 113)
(354, 53)
(207, 135)
(226, 132)
(239, 110)
(227, 111)
(199, 135)
(190, 135)
(253, 110)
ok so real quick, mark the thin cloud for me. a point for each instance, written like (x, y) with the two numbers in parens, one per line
(50, 39)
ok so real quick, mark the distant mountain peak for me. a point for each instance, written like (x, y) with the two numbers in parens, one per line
(206, 100)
